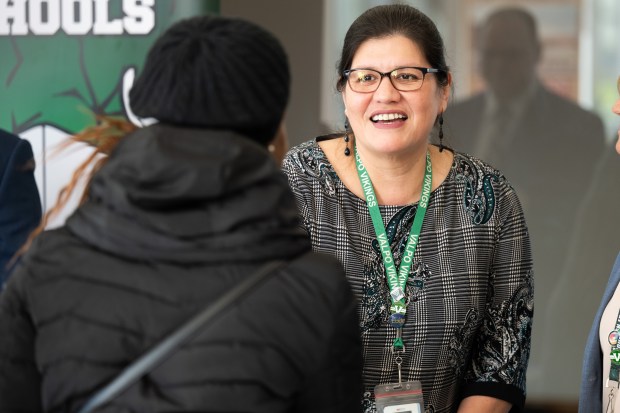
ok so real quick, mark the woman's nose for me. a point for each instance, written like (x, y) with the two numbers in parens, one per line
(386, 91)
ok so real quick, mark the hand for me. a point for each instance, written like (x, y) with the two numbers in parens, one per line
(483, 404)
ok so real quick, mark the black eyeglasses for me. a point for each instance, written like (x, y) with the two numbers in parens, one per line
(405, 79)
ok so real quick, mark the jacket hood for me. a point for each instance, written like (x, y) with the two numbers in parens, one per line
(190, 195)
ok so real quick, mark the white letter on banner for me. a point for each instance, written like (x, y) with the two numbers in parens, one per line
(140, 17)
(77, 16)
(102, 24)
(52, 16)
(15, 11)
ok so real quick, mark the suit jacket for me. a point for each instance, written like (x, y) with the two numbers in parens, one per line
(550, 162)
(20, 205)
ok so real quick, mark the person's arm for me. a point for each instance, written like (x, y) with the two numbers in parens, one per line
(20, 205)
(483, 404)
(335, 385)
(298, 188)
(20, 380)
(495, 378)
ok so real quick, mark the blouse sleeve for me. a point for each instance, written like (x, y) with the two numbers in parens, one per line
(291, 166)
(502, 349)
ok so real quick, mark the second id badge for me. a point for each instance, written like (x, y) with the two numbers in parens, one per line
(405, 397)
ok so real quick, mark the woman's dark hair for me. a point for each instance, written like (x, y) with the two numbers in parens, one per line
(389, 20)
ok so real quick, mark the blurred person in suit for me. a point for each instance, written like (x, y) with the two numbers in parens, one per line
(547, 146)
(20, 205)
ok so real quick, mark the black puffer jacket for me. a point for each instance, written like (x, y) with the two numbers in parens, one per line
(176, 218)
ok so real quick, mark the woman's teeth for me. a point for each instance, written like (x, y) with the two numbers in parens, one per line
(384, 117)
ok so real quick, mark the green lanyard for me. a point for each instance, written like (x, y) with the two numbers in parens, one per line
(614, 340)
(397, 279)
(614, 368)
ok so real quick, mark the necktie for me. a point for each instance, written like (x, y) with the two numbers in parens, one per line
(494, 134)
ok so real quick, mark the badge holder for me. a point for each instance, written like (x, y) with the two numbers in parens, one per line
(399, 397)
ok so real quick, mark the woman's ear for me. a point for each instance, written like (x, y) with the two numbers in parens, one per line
(279, 145)
(446, 91)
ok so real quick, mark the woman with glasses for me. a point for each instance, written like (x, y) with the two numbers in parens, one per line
(600, 381)
(434, 242)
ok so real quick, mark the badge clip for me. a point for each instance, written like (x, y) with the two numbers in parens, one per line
(398, 345)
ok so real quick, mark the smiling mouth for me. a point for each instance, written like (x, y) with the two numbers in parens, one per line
(388, 117)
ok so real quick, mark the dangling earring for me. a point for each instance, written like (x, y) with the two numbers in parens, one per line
(441, 132)
(347, 151)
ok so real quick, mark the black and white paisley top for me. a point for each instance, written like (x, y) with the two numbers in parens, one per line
(470, 291)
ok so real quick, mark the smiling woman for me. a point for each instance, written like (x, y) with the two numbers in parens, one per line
(393, 118)
(434, 242)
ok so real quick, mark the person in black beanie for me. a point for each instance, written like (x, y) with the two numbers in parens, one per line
(178, 214)
(227, 74)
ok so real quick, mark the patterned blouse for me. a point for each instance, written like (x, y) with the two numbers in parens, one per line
(469, 295)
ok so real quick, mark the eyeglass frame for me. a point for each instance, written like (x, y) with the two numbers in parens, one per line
(424, 70)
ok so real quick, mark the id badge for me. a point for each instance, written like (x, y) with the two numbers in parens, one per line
(403, 397)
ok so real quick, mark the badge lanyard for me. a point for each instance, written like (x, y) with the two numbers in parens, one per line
(397, 279)
(614, 368)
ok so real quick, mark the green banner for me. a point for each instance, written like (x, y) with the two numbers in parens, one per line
(65, 60)
(62, 59)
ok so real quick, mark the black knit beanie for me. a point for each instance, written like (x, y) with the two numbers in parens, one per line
(215, 72)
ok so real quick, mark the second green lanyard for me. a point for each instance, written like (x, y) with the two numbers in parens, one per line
(396, 278)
